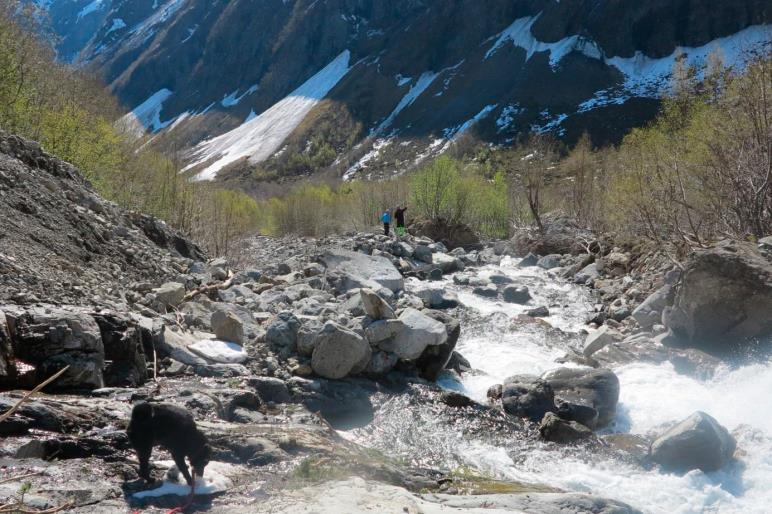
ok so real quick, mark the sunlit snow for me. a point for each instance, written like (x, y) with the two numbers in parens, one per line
(93, 7)
(146, 116)
(261, 136)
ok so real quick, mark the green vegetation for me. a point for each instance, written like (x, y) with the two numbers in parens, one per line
(73, 117)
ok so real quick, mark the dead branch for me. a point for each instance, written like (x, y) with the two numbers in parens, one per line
(27, 396)
(209, 288)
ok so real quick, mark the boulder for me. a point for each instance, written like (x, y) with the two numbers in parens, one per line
(282, 334)
(438, 298)
(589, 272)
(550, 261)
(583, 414)
(382, 330)
(435, 358)
(527, 396)
(557, 430)
(228, 327)
(447, 263)
(649, 312)
(170, 294)
(614, 264)
(339, 352)
(357, 270)
(53, 338)
(124, 351)
(529, 261)
(458, 363)
(270, 389)
(420, 331)
(306, 338)
(698, 442)
(489, 291)
(7, 361)
(724, 299)
(375, 306)
(596, 388)
(601, 338)
(538, 312)
(381, 363)
(423, 253)
(517, 294)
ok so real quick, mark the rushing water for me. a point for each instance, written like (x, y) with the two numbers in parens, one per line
(652, 398)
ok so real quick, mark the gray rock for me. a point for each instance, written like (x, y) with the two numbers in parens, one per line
(550, 261)
(589, 272)
(489, 291)
(357, 270)
(423, 253)
(528, 261)
(382, 330)
(375, 306)
(500, 279)
(170, 294)
(282, 334)
(271, 389)
(228, 327)
(596, 388)
(420, 331)
(601, 338)
(438, 298)
(307, 334)
(534, 503)
(557, 430)
(649, 313)
(517, 294)
(698, 442)
(339, 352)
(381, 363)
(527, 396)
(538, 312)
(724, 299)
(447, 263)
(583, 414)
(435, 358)
(7, 361)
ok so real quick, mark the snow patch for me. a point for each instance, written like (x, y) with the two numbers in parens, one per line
(423, 82)
(214, 481)
(519, 34)
(118, 24)
(373, 154)
(507, 116)
(234, 98)
(221, 352)
(147, 115)
(456, 132)
(91, 8)
(402, 80)
(551, 125)
(258, 138)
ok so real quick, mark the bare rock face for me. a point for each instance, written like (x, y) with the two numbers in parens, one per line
(698, 442)
(724, 299)
(339, 352)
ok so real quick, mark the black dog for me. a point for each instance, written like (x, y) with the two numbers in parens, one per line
(173, 428)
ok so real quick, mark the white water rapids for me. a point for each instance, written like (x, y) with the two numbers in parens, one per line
(652, 398)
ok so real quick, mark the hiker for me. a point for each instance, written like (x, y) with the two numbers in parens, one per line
(399, 215)
(386, 219)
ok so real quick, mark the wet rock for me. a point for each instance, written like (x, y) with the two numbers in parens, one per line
(596, 388)
(724, 299)
(488, 291)
(527, 396)
(170, 294)
(529, 261)
(271, 389)
(550, 261)
(698, 442)
(694, 363)
(438, 298)
(435, 358)
(228, 327)
(375, 306)
(500, 279)
(538, 312)
(557, 430)
(339, 352)
(649, 313)
(583, 414)
(124, 353)
(282, 334)
(458, 363)
(601, 338)
(420, 331)
(517, 294)
(456, 400)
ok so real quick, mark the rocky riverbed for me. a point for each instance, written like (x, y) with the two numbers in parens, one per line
(360, 373)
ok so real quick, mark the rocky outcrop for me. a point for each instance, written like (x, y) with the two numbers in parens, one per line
(724, 299)
(420, 332)
(527, 396)
(698, 442)
(435, 358)
(355, 270)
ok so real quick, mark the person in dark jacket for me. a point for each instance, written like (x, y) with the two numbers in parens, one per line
(386, 220)
(399, 216)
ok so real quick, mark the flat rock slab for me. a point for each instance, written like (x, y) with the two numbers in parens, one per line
(221, 352)
(368, 268)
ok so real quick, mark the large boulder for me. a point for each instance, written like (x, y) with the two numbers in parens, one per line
(53, 338)
(339, 352)
(601, 338)
(435, 358)
(228, 327)
(517, 294)
(438, 298)
(596, 388)
(170, 294)
(649, 313)
(357, 270)
(7, 361)
(698, 442)
(282, 334)
(452, 235)
(527, 396)
(124, 352)
(557, 430)
(723, 300)
(420, 331)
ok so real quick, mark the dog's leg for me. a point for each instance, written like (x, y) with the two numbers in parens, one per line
(143, 454)
(179, 459)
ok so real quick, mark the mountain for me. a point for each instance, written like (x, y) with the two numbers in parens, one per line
(252, 89)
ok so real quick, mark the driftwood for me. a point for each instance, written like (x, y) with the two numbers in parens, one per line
(208, 289)
(27, 396)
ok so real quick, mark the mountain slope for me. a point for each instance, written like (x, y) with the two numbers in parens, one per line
(238, 83)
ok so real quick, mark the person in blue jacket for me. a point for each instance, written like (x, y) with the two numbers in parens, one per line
(386, 219)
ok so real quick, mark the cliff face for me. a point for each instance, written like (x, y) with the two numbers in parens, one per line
(399, 78)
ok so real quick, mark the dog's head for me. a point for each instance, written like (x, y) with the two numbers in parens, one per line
(200, 459)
